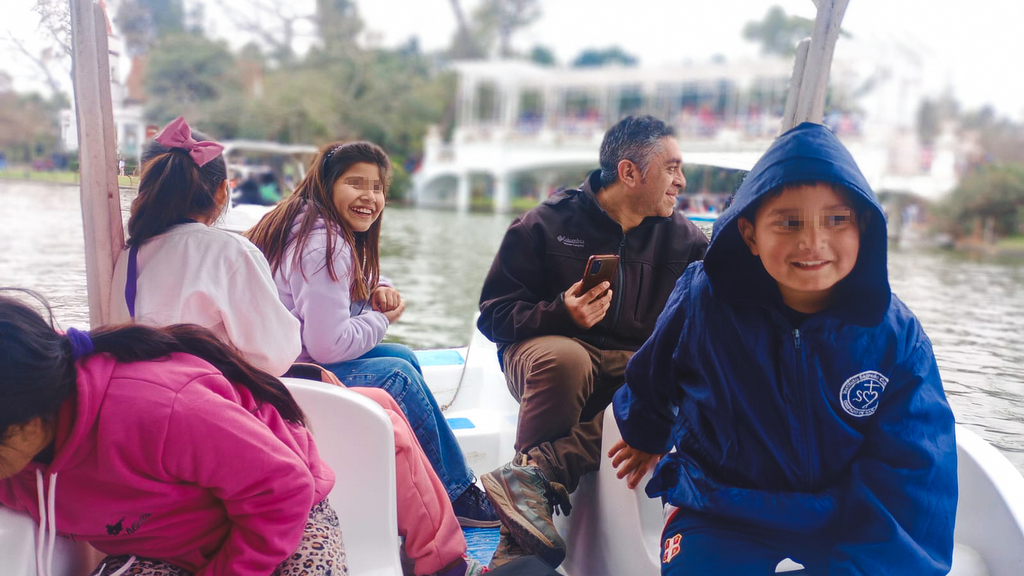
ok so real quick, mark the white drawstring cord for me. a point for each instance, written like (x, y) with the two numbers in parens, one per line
(48, 529)
(51, 513)
(41, 530)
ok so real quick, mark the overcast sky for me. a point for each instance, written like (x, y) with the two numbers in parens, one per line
(973, 47)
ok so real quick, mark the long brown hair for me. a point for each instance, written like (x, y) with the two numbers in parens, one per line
(173, 187)
(314, 198)
(37, 372)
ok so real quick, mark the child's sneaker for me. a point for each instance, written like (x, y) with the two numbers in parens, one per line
(474, 510)
(474, 568)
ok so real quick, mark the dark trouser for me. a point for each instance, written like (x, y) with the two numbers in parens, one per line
(563, 386)
(697, 544)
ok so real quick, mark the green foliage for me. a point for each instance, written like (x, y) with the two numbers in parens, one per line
(29, 126)
(337, 91)
(543, 55)
(994, 191)
(144, 22)
(497, 20)
(777, 33)
(594, 57)
(401, 183)
(338, 24)
(190, 75)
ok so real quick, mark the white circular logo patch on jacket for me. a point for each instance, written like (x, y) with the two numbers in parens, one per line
(860, 394)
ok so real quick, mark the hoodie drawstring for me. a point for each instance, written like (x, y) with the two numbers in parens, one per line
(48, 528)
(46, 536)
(51, 514)
(41, 531)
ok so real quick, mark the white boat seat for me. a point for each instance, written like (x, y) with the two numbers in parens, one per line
(18, 548)
(989, 532)
(610, 524)
(354, 436)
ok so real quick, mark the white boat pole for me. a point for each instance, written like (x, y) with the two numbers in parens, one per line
(810, 71)
(793, 94)
(101, 203)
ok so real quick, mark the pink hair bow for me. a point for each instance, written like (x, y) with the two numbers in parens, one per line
(177, 134)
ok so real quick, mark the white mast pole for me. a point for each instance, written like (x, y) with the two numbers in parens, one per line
(806, 99)
(101, 203)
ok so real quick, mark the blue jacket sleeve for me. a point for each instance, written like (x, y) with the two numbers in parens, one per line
(645, 407)
(900, 503)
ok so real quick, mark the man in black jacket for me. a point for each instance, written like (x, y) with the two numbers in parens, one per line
(564, 353)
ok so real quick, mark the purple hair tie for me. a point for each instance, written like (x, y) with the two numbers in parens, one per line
(81, 343)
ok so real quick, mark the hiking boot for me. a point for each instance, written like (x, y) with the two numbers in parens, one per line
(507, 551)
(474, 510)
(525, 501)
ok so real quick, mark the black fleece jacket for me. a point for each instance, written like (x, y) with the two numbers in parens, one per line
(546, 250)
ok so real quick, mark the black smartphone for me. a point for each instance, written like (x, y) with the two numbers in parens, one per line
(600, 267)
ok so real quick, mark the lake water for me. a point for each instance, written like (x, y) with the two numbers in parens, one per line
(972, 308)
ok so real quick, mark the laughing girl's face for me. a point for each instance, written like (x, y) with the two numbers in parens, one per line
(359, 196)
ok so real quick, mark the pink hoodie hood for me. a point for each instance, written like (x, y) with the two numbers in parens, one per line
(167, 459)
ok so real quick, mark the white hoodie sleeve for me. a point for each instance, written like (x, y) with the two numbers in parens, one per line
(256, 321)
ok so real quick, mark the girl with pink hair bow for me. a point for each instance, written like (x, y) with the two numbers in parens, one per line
(179, 269)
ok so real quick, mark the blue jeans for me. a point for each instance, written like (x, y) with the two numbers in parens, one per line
(394, 369)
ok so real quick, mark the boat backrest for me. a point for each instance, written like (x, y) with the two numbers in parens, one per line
(18, 549)
(990, 512)
(612, 530)
(354, 436)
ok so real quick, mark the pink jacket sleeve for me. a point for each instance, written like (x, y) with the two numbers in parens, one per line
(330, 332)
(266, 488)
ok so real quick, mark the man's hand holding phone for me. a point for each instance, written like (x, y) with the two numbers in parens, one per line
(590, 307)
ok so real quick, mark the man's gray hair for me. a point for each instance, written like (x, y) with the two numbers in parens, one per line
(636, 139)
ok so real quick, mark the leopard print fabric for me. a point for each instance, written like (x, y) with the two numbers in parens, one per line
(320, 553)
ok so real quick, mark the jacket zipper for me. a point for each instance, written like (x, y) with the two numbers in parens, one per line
(805, 405)
(639, 293)
(618, 293)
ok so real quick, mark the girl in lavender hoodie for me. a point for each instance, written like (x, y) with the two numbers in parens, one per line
(161, 447)
(323, 247)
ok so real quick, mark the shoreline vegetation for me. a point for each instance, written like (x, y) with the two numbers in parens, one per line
(67, 177)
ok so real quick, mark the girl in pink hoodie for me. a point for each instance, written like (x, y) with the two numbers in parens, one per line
(161, 447)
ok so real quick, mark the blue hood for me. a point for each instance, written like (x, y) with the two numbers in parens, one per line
(809, 152)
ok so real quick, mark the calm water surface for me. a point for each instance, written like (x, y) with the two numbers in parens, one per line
(973, 309)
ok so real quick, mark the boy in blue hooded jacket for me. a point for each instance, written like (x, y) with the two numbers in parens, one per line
(801, 396)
